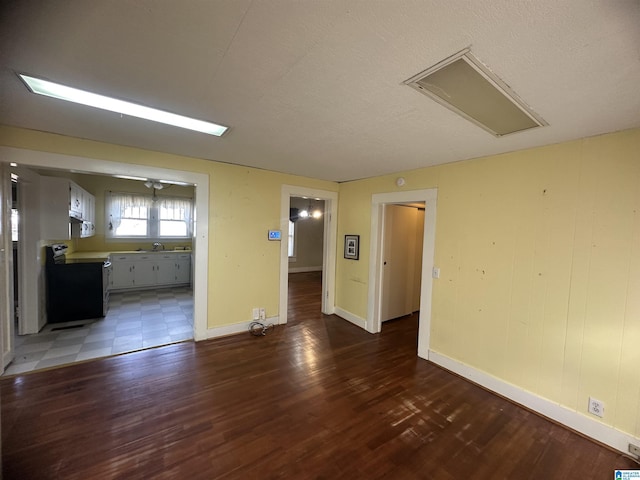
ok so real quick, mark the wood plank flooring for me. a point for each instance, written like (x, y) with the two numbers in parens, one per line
(316, 399)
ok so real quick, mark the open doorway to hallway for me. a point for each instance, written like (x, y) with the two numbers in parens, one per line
(294, 201)
(306, 254)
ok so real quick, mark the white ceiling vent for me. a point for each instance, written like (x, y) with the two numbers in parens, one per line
(466, 86)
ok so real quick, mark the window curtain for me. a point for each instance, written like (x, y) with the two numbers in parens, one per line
(179, 209)
(125, 205)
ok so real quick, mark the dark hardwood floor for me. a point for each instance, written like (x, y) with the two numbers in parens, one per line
(316, 399)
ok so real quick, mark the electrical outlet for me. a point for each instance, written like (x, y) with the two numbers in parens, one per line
(256, 314)
(596, 407)
(634, 449)
(263, 314)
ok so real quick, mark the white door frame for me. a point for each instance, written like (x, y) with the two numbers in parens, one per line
(329, 246)
(36, 159)
(6, 270)
(378, 200)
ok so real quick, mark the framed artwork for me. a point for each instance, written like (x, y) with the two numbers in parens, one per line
(352, 247)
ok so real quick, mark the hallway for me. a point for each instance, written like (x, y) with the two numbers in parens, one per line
(305, 296)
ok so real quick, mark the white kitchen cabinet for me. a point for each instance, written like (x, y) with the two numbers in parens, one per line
(150, 269)
(165, 267)
(122, 272)
(183, 268)
(76, 200)
(62, 199)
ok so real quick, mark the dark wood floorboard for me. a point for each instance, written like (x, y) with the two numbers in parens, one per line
(316, 399)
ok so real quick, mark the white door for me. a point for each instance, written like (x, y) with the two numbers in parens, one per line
(6, 268)
(399, 261)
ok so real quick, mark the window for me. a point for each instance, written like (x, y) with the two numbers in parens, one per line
(292, 237)
(175, 217)
(131, 215)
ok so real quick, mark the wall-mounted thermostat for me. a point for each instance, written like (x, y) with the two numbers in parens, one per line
(275, 235)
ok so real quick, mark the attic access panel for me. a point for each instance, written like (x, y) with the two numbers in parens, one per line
(464, 85)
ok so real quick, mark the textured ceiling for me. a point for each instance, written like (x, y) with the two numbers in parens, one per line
(315, 87)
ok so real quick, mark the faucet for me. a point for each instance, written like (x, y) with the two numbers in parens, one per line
(156, 245)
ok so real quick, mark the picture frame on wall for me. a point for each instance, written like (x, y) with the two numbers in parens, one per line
(352, 247)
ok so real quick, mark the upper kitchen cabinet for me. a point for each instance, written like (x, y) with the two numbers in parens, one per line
(67, 210)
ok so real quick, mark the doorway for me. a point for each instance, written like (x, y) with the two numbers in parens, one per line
(36, 159)
(305, 251)
(374, 306)
(403, 231)
(330, 200)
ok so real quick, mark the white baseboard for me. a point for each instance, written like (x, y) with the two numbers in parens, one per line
(235, 328)
(575, 420)
(350, 317)
(305, 269)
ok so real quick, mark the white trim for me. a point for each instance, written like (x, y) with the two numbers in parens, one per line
(329, 245)
(6, 271)
(201, 226)
(236, 328)
(352, 317)
(575, 420)
(305, 269)
(378, 200)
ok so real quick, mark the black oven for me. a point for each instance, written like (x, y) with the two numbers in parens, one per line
(74, 291)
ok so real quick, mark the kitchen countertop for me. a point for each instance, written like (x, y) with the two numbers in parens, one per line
(81, 257)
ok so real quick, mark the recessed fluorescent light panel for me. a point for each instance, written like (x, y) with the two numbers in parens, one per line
(62, 92)
(129, 177)
(466, 86)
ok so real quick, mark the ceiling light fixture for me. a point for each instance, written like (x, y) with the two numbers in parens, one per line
(63, 92)
(155, 184)
(463, 84)
(309, 212)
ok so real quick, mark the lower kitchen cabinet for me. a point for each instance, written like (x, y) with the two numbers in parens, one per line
(183, 268)
(165, 270)
(143, 270)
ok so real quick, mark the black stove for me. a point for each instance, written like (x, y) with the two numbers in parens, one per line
(75, 291)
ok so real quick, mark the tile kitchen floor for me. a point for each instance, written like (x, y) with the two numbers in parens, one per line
(134, 321)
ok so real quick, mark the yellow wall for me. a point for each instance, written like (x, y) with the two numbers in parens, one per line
(244, 203)
(539, 252)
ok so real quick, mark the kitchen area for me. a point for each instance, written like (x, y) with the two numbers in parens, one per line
(112, 270)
